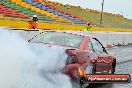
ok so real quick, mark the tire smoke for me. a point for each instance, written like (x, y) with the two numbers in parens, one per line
(25, 66)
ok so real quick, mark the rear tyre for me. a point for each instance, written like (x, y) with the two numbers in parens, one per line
(75, 84)
(82, 82)
(113, 66)
(113, 70)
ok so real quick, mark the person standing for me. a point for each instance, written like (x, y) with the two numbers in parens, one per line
(33, 23)
(87, 27)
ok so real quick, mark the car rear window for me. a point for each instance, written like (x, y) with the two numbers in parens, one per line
(59, 38)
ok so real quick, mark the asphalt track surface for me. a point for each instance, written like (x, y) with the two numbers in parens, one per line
(122, 53)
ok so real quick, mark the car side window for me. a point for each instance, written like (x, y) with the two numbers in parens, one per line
(97, 47)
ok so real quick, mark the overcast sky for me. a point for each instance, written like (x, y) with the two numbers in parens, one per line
(123, 7)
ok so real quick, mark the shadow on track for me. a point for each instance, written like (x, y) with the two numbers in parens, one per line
(100, 85)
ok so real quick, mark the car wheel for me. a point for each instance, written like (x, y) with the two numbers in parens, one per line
(113, 70)
(76, 84)
(82, 82)
(113, 67)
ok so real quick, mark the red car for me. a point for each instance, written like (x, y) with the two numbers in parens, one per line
(86, 55)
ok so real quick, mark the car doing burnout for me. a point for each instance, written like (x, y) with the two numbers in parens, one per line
(86, 55)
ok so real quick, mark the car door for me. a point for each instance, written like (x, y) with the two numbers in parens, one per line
(101, 67)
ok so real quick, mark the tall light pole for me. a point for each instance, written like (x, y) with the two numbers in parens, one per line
(101, 18)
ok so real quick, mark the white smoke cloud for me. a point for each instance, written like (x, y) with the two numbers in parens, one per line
(25, 66)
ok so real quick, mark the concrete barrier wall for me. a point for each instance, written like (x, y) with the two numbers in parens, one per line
(58, 26)
(106, 38)
(113, 38)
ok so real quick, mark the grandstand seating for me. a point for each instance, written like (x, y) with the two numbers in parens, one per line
(34, 8)
(70, 15)
(25, 11)
(11, 13)
(51, 9)
(44, 11)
